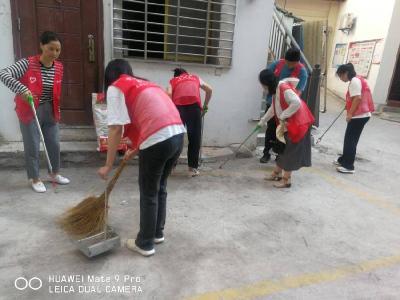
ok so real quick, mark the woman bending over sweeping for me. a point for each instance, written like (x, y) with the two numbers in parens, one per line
(184, 90)
(359, 106)
(294, 119)
(152, 123)
(39, 77)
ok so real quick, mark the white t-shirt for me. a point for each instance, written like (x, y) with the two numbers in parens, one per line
(291, 98)
(355, 88)
(117, 114)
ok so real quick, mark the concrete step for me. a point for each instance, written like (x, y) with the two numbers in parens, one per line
(83, 134)
(261, 139)
(388, 109)
(84, 153)
(263, 105)
(77, 133)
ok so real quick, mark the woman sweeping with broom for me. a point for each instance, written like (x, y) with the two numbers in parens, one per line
(184, 90)
(39, 77)
(359, 106)
(294, 119)
(152, 123)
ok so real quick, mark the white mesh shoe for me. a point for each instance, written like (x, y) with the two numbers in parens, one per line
(131, 245)
(159, 240)
(193, 172)
(60, 179)
(344, 170)
(38, 187)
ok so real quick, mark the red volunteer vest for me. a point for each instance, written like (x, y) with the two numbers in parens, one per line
(367, 104)
(148, 114)
(298, 124)
(32, 79)
(295, 73)
(186, 89)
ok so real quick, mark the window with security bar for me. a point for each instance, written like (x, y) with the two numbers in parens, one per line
(194, 31)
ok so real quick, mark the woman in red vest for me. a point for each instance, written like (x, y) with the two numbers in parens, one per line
(359, 105)
(152, 123)
(184, 90)
(294, 119)
(39, 77)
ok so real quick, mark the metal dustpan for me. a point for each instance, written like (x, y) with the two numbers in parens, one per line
(104, 241)
(99, 243)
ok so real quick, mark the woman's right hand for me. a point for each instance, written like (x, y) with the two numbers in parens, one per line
(27, 95)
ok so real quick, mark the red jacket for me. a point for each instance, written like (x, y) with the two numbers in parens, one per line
(148, 114)
(186, 89)
(300, 122)
(367, 104)
(295, 73)
(32, 79)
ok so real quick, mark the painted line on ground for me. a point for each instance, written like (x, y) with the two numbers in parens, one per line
(269, 287)
(376, 200)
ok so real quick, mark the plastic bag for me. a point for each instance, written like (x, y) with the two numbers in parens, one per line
(99, 108)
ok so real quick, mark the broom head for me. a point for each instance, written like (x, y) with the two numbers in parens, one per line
(85, 219)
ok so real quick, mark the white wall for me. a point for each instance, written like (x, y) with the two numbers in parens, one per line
(373, 19)
(387, 67)
(9, 127)
(236, 91)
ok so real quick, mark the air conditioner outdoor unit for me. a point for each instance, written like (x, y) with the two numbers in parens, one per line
(347, 22)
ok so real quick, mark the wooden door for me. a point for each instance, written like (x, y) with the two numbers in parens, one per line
(394, 92)
(79, 23)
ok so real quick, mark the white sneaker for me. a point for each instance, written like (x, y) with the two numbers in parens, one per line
(193, 172)
(159, 240)
(39, 187)
(130, 244)
(344, 170)
(60, 179)
(336, 162)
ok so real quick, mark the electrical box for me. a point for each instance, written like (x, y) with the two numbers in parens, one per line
(347, 22)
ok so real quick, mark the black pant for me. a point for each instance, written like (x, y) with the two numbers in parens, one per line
(155, 165)
(351, 138)
(270, 135)
(191, 118)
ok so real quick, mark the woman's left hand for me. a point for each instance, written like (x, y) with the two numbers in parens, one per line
(103, 172)
(348, 117)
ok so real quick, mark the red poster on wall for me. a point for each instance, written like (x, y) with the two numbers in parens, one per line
(360, 55)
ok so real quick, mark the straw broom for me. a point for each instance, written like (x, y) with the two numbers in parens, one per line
(89, 216)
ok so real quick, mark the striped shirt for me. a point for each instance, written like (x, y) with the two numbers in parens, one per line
(10, 75)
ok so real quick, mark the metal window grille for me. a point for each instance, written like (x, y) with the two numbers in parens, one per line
(192, 31)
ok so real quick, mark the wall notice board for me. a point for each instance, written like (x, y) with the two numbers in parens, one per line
(339, 55)
(360, 55)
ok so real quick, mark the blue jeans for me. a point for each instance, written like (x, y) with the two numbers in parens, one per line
(31, 139)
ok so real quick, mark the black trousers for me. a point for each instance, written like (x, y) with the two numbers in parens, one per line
(155, 165)
(270, 135)
(351, 138)
(191, 118)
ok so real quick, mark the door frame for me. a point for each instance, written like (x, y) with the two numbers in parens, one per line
(394, 103)
(99, 44)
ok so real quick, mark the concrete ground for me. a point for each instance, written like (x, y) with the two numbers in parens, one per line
(229, 233)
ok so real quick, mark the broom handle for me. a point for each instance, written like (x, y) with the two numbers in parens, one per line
(105, 214)
(114, 179)
(107, 192)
